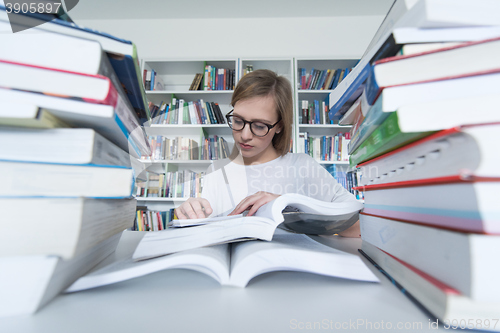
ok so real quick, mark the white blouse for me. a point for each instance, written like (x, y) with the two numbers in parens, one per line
(227, 183)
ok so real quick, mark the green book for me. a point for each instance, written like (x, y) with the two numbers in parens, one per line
(383, 139)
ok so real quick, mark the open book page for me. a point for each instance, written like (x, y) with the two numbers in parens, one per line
(293, 252)
(261, 226)
(194, 222)
(173, 240)
(212, 261)
(308, 205)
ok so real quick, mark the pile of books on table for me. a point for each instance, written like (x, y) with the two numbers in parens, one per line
(70, 137)
(426, 125)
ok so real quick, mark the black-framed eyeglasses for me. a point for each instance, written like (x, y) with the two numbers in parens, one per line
(258, 128)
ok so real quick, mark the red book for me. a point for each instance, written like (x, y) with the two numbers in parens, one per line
(479, 57)
(89, 88)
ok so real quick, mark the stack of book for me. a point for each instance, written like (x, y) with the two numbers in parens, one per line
(68, 160)
(427, 125)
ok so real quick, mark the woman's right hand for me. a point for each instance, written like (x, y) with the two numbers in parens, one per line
(194, 208)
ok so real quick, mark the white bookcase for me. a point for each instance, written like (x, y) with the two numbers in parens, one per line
(177, 75)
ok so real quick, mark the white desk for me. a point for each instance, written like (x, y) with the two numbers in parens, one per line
(175, 301)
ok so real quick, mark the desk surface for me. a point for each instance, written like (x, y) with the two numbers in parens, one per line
(187, 301)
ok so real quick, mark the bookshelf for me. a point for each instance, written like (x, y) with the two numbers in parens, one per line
(177, 75)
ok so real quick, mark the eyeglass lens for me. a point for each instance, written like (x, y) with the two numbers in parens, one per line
(258, 128)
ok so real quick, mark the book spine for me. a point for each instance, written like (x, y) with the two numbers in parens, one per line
(385, 138)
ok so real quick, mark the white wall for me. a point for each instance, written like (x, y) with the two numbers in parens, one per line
(309, 37)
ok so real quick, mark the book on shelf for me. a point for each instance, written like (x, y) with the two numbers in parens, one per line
(464, 261)
(324, 148)
(406, 14)
(443, 63)
(317, 79)
(180, 112)
(171, 184)
(166, 149)
(28, 115)
(152, 220)
(438, 155)
(237, 263)
(218, 78)
(236, 228)
(63, 226)
(122, 53)
(447, 202)
(195, 85)
(91, 89)
(28, 282)
(314, 112)
(447, 103)
(444, 302)
(214, 148)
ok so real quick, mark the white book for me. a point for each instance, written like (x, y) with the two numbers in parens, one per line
(32, 179)
(65, 227)
(444, 302)
(260, 226)
(464, 261)
(236, 264)
(29, 282)
(467, 152)
(61, 145)
(105, 119)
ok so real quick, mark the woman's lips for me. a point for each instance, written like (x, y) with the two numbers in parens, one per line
(244, 146)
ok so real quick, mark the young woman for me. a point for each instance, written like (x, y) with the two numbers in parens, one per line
(260, 167)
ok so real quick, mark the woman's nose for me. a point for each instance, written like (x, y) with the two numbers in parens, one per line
(246, 133)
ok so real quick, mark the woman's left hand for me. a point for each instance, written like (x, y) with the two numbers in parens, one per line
(254, 202)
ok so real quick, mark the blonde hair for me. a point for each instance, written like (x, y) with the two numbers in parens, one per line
(263, 83)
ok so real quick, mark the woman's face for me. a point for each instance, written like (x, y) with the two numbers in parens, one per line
(256, 149)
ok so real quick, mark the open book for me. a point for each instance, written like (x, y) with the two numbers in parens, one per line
(261, 226)
(234, 264)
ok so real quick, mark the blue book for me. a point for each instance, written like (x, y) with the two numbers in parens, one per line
(336, 77)
(321, 80)
(75, 180)
(316, 112)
